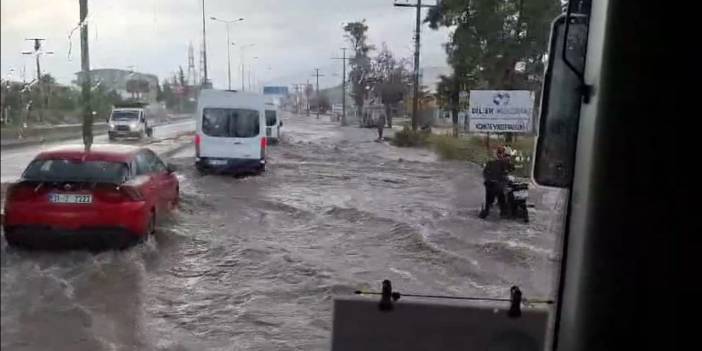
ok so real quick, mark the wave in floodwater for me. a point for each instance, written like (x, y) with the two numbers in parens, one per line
(253, 263)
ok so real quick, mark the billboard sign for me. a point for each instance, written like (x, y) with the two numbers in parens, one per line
(500, 111)
(273, 90)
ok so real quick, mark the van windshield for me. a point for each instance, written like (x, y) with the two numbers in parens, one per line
(125, 115)
(271, 118)
(232, 123)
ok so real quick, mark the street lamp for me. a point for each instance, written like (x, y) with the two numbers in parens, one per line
(252, 72)
(229, 56)
(242, 48)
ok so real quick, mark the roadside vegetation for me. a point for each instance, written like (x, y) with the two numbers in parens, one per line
(471, 148)
(47, 102)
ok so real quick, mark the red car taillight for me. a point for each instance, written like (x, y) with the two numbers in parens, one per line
(264, 145)
(21, 192)
(132, 194)
(197, 145)
(119, 194)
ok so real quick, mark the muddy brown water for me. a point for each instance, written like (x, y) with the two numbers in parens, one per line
(253, 263)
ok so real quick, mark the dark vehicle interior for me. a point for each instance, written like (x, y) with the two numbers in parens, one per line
(619, 245)
(603, 95)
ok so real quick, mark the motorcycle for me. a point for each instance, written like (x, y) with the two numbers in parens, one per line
(516, 196)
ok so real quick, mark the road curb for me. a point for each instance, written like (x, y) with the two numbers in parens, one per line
(32, 142)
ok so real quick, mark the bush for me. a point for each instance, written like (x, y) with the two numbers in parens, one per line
(410, 138)
(467, 149)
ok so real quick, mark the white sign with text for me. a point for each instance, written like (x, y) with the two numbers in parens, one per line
(500, 111)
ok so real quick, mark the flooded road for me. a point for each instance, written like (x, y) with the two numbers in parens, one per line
(253, 263)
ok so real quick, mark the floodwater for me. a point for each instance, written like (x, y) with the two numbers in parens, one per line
(253, 263)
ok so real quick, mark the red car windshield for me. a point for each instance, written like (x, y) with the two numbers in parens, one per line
(76, 171)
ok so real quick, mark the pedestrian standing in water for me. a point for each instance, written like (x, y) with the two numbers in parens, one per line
(380, 123)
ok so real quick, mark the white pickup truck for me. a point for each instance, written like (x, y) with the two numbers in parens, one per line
(131, 121)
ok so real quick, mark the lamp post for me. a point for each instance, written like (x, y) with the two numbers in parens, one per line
(229, 56)
(243, 48)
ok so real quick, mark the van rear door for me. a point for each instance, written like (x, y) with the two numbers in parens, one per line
(232, 133)
(271, 123)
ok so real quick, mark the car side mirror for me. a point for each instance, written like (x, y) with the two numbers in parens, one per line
(171, 168)
(562, 95)
(281, 123)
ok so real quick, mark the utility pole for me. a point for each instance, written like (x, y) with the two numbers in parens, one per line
(37, 53)
(418, 28)
(317, 75)
(37, 47)
(205, 82)
(243, 48)
(297, 98)
(86, 84)
(307, 96)
(343, 86)
(299, 91)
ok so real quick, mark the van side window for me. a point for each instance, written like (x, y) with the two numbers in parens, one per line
(271, 118)
(230, 123)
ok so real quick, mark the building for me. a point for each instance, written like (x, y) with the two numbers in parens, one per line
(116, 80)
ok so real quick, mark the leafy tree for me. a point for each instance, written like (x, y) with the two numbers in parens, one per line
(309, 91)
(137, 87)
(322, 102)
(169, 96)
(360, 62)
(489, 39)
(391, 80)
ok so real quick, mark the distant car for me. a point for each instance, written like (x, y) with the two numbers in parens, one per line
(111, 196)
(128, 122)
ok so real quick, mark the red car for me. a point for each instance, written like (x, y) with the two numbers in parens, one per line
(111, 195)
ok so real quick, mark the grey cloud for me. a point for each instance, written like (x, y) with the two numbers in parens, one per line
(292, 36)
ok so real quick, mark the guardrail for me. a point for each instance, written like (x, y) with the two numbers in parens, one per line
(12, 138)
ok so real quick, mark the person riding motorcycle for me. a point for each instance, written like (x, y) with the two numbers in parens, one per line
(495, 179)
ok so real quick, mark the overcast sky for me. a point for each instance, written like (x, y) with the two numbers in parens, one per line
(292, 37)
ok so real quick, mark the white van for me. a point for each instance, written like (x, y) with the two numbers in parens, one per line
(230, 133)
(273, 121)
(128, 122)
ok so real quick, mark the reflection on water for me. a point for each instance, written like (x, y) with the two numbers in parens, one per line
(252, 263)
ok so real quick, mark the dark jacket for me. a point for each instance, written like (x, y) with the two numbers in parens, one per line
(380, 123)
(497, 170)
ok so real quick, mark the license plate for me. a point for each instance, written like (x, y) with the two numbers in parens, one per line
(70, 198)
(218, 162)
(521, 194)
